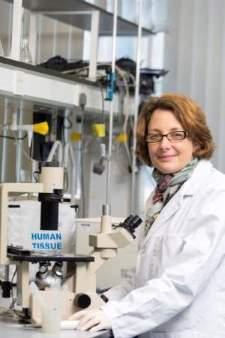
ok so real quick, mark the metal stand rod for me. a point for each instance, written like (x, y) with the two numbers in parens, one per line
(55, 31)
(136, 104)
(10, 27)
(4, 142)
(69, 42)
(39, 44)
(19, 143)
(108, 168)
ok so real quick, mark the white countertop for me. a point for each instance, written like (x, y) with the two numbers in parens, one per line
(15, 330)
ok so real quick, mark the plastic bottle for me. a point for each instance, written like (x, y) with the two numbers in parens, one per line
(51, 311)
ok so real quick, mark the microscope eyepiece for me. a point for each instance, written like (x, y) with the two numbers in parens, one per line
(131, 223)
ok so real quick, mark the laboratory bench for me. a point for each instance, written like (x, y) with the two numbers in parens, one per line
(11, 330)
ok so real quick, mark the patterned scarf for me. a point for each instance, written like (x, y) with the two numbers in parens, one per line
(167, 186)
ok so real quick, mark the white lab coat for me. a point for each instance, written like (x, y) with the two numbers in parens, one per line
(178, 289)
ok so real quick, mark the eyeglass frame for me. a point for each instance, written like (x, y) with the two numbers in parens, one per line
(185, 134)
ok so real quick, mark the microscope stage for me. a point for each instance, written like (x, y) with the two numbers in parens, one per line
(35, 258)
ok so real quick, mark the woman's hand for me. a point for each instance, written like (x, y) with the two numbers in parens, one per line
(92, 320)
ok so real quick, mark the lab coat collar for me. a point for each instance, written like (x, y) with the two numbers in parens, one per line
(188, 190)
(198, 178)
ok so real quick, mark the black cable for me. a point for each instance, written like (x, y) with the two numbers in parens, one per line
(12, 293)
(14, 138)
(36, 177)
(14, 274)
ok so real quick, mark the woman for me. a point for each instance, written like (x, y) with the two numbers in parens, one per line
(178, 290)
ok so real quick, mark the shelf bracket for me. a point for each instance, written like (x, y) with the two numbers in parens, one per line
(16, 29)
(94, 44)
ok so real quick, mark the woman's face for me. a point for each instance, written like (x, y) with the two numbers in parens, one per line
(168, 156)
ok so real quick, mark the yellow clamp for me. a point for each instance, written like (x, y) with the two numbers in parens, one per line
(75, 137)
(41, 128)
(122, 138)
(98, 129)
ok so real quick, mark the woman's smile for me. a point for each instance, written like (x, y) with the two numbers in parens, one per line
(166, 157)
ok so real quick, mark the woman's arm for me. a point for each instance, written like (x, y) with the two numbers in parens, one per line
(161, 299)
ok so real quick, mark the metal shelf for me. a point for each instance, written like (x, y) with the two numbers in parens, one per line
(125, 27)
(40, 85)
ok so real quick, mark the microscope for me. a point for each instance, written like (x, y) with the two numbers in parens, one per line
(80, 291)
(78, 286)
(49, 192)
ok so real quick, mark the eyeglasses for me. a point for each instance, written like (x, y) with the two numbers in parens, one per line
(173, 136)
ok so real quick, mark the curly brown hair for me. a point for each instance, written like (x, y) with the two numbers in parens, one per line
(190, 116)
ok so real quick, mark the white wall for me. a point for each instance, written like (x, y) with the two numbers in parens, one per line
(195, 58)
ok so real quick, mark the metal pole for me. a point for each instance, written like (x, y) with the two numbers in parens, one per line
(19, 143)
(39, 51)
(4, 142)
(55, 30)
(136, 103)
(108, 172)
(10, 24)
(69, 45)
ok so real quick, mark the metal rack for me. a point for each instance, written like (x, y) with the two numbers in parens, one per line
(80, 16)
(77, 13)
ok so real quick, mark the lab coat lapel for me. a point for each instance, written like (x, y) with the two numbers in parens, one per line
(202, 171)
(168, 211)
